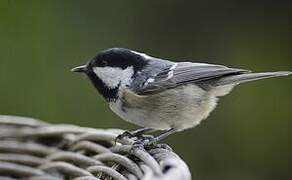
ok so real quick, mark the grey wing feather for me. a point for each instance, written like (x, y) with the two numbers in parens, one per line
(249, 77)
(195, 72)
(184, 73)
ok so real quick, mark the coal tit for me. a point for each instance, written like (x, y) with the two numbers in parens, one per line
(159, 94)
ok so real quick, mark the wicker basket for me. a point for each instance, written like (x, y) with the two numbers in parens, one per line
(35, 150)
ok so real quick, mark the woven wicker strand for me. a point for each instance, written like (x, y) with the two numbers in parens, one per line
(35, 150)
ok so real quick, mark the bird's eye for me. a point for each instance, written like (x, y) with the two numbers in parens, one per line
(103, 63)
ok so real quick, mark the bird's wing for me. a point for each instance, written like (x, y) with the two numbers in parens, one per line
(183, 73)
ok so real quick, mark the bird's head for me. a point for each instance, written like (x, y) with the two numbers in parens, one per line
(111, 69)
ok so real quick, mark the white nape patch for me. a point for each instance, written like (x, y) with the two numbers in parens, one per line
(142, 54)
(170, 73)
(113, 76)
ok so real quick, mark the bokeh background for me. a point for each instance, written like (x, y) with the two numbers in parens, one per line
(247, 137)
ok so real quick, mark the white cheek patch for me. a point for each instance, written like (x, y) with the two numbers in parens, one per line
(113, 76)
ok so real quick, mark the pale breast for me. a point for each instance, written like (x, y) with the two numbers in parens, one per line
(181, 108)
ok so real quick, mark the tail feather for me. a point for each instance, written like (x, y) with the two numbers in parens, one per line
(236, 79)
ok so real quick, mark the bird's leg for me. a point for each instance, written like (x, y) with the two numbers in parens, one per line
(135, 133)
(140, 131)
(152, 141)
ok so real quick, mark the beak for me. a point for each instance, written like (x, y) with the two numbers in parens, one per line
(81, 69)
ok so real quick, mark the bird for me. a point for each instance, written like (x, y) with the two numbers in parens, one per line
(159, 94)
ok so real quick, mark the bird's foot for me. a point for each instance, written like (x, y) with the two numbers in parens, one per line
(125, 134)
(137, 134)
(149, 142)
(144, 143)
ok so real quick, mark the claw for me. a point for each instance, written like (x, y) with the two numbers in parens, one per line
(148, 142)
(136, 146)
(145, 137)
(139, 144)
(123, 135)
(129, 134)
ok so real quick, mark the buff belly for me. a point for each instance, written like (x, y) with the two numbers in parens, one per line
(180, 108)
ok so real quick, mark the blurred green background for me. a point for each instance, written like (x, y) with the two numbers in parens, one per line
(247, 137)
